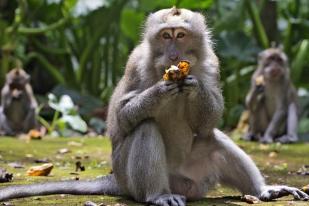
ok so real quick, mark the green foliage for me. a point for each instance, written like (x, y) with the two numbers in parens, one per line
(66, 117)
(84, 45)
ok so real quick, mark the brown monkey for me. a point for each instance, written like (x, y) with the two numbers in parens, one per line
(165, 145)
(272, 100)
(17, 112)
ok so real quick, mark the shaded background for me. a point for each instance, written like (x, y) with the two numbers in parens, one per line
(80, 47)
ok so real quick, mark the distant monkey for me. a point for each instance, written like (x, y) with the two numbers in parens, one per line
(166, 149)
(17, 111)
(272, 100)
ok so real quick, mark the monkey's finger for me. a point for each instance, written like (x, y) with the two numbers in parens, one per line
(303, 195)
(181, 200)
(171, 87)
(295, 194)
(172, 202)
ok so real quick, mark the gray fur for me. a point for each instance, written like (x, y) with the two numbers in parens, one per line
(273, 110)
(165, 147)
(17, 114)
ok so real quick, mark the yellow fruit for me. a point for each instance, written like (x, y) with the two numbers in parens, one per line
(177, 73)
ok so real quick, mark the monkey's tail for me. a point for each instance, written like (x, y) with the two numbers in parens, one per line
(106, 185)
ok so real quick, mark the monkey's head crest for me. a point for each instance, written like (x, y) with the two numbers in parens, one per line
(174, 18)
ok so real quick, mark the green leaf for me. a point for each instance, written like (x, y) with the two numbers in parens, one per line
(131, 23)
(197, 4)
(300, 60)
(75, 122)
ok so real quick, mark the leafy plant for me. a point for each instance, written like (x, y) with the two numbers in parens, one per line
(65, 118)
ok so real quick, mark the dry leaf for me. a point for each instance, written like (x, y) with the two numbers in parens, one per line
(16, 165)
(250, 199)
(75, 144)
(5, 176)
(63, 151)
(42, 170)
(273, 154)
(306, 189)
(34, 134)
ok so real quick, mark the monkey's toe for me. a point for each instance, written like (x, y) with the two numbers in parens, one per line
(169, 200)
(287, 139)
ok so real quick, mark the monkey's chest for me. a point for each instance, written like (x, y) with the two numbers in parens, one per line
(176, 131)
(16, 113)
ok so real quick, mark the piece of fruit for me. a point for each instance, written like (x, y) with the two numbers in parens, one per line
(177, 73)
(42, 170)
(259, 80)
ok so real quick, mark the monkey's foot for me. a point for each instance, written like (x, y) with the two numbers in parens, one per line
(273, 192)
(266, 140)
(287, 139)
(251, 137)
(169, 200)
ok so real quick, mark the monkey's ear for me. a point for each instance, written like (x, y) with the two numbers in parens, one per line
(27, 78)
(260, 56)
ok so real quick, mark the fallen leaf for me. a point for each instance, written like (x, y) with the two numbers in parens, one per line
(42, 170)
(44, 160)
(63, 151)
(76, 144)
(5, 176)
(306, 189)
(79, 166)
(273, 154)
(16, 165)
(34, 134)
(250, 199)
(89, 203)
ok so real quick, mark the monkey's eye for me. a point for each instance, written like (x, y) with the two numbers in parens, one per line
(180, 35)
(166, 35)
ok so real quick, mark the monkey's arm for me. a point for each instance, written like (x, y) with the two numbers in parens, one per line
(255, 94)
(136, 106)
(30, 95)
(205, 100)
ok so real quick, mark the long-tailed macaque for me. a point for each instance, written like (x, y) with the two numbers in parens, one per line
(272, 100)
(17, 111)
(166, 149)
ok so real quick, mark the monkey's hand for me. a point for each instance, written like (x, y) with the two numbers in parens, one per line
(167, 88)
(273, 192)
(169, 200)
(190, 86)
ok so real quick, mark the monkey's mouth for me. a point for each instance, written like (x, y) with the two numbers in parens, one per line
(16, 93)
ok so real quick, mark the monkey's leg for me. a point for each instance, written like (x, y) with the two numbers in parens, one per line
(141, 166)
(291, 125)
(30, 121)
(236, 169)
(5, 128)
(257, 123)
(274, 125)
(186, 187)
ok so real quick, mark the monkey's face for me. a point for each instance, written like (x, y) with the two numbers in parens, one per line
(173, 45)
(274, 63)
(174, 35)
(17, 80)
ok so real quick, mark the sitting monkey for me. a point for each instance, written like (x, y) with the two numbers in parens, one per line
(165, 148)
(17, 111)
(272, 100)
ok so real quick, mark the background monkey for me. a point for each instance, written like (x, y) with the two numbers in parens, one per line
(165, 147)
(272, 100)
(17, 112)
